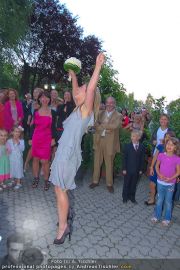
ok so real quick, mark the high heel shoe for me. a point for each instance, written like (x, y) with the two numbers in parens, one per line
(35, 182)
(60, 241)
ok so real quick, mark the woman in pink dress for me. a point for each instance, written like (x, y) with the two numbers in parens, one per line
(43, 134)
(13, 110)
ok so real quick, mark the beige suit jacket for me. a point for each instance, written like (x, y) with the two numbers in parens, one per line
(112, 132)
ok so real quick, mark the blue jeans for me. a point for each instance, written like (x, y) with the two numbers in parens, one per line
(164, 198)
(177, 192)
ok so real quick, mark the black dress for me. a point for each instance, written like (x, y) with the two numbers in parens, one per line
(63, 111)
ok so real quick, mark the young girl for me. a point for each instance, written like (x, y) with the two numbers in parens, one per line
(153, 173)
(4, 159)
(168, 169)
(16, 148)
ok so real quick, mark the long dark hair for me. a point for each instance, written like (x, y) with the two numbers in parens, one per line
(46, 94)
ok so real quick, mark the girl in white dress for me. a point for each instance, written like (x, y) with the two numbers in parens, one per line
(16, 148)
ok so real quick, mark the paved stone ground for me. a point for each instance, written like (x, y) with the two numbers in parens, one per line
(103, 226)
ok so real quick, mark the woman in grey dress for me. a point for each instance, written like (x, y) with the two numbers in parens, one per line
(68, 155)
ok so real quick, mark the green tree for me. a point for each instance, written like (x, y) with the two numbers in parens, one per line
(158, 107)
(109, 84)
(149, 102)
(8, 76)
(174, 112)
(14, 15)
(53, 36)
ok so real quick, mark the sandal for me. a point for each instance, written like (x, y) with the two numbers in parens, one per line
(154, 220)
(47, 184)
(166, 223)
(4, 186)
(148, 203)
(35, 182)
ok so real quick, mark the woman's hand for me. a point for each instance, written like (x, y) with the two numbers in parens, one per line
(71, 73)
(30, 142)
(151, 172)
(161, 177)
(167, 179)
(53, 142)
(154, 142)
(100, 59)
(8, 150)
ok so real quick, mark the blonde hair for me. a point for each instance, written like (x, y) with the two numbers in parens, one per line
(2, 130)
(14, 91)
(137, 132)
(21, 129)
(138, 116)
(97, 102)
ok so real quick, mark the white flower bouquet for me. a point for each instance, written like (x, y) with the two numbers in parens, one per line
(74, 64)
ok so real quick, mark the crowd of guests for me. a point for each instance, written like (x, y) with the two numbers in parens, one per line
(39, 119)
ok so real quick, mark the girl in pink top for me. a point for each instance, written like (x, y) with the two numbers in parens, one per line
(168, 169)
(13, 111)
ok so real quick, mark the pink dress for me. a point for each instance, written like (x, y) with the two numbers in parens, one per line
(42, 136)
(9, 117)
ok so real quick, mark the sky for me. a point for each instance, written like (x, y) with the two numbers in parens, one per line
(143, 39)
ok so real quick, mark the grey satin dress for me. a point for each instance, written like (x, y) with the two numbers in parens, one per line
(68, 155)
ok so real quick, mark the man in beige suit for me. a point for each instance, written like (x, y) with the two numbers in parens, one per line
(106, 142)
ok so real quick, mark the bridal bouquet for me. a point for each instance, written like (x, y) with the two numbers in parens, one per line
(73, 64)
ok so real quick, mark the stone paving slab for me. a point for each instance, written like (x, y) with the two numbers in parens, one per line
(103, 226)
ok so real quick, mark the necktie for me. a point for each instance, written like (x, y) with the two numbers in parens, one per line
(136, 147)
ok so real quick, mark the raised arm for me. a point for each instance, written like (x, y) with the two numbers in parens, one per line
(75, 86)
(91, 88)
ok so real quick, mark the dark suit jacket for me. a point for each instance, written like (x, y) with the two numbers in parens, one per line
(133, 160)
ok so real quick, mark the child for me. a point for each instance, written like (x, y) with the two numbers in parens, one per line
(4, 159)
(153, 174)
(16, 146)
(168, 170)
(158, 134)
(133, 162)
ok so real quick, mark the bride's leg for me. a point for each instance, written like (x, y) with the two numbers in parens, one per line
(63, 208)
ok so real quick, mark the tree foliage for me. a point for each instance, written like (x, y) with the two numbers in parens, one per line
(109, 84)
(8, 77)
(14, 16)
(174, 112)
(53, 36)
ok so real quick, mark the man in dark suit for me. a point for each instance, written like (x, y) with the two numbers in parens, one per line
(133, 161)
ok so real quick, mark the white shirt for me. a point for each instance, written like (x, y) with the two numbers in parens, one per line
(164, 183)
(160, 135)
(136, 145)
(108, 114)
